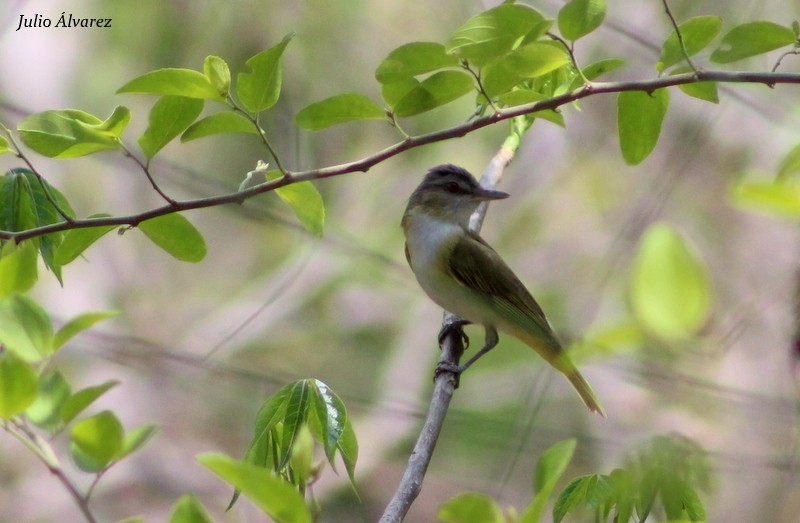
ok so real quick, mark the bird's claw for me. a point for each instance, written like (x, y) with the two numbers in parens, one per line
(454, 328)
(451, 368)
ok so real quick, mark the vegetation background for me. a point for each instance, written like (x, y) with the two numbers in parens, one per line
(198, 347)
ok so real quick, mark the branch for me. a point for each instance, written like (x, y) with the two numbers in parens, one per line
(444, 382)
(769, 79)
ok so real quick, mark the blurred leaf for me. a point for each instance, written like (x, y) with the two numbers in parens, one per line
(302, 455)
(189, 509)
(135, 439)
(275, 497)
(4, 148)
(583, 492)
(96, 440)
(696, 33)
(789, 168)
(346, 107)
(18, 385)
(79, 401)
(751, 39)
(259, 90)
(436, 90)
(471, 507)
(169, 117)
(226, 122)
(218, 74)
(536, 59)
(578, 18)
(413, 59)
(18, 267)
(492, 33)
(45, 412)
(177, 236)
(25, 328)
(778, 199)
(78, 240)
(70, 133)
(79, 324)
(174, 82)
(639, 117)
(549, 469)
(670, 289)
(305, 201)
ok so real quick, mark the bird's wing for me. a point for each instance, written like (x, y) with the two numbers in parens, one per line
(476, 265)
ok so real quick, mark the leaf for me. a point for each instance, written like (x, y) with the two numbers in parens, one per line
(348, 449)
(639, 118)
(394, 92)
(471, 507)
(696, 33)
(259, 90)
(305, 201)
(189, 509)
(331, 414)
(18, 267)
(702, 91)
(96, 440)
(79, 324)
(601, 67)
(4, 148)
(25, 328)
(174, 82)
(346, 107)
(177, 236)
(670, 290)
(526, 96)
(78, 240)
(45, 412)
(79, 401)
(751, 39)
(136, 439)
(227, 122)
(536, 59)
(549, 469)
(169, 117)
(18, 385)
(580, 17)
(218, 74)
(70, 133)
(436, 90)
(789, 168)
(274, 496)
(583, 492)
(413, 59)
(778, 199)
(492, 33)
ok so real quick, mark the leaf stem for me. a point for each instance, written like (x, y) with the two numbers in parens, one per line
(679, 35)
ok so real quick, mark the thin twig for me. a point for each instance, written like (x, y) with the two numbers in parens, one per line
(444, 383)
(146, 169)
(679, 35)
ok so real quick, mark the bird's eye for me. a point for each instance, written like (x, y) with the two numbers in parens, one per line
(451, 187)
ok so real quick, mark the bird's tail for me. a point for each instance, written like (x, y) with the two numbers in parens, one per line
(585, 391)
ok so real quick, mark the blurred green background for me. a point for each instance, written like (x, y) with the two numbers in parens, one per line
(199, 347)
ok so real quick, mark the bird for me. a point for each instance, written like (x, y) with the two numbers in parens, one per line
(463, 274)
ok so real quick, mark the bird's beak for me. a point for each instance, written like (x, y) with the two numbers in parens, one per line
(490, 194)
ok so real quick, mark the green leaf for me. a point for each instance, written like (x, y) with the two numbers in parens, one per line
(174, 82)
(414, 59)
(70, 133)
(275, 497)
(25, 327)
(18, 267)
(639, 118)
(498, 78)
(526, 96)
(778, 199)
(492, 33)
(670, 290)
(341, 108)
(17, 206)
(297, 408)
(302, 455)
(394, 92)
(331, 414)
(583, 492)
(789, 168)
(696, 33)
(135, 439)
(348, 449)
(227, 122)
(79, 401)
(177, 236)
(96, 440)
(218, 74)
(471, 507)
(702, 91)
(601, 67)
(580, 17)
(169, 117)
(78, 240)
(549, 469)
(45, 412)
(18, 385)
(305, 201)
(436, 90)
(79, 324)
(751, 39)
(4, 148)
(259, 90)
(536, 59)
(189, 509)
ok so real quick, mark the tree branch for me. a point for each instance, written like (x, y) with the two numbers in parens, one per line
(444, 382)
(769, 79)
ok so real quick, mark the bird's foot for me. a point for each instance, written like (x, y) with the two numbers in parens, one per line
(451, 368)
(454, 327)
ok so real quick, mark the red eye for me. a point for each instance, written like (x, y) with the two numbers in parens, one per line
(451, 187)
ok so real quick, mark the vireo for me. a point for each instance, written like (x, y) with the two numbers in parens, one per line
(461, 273)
